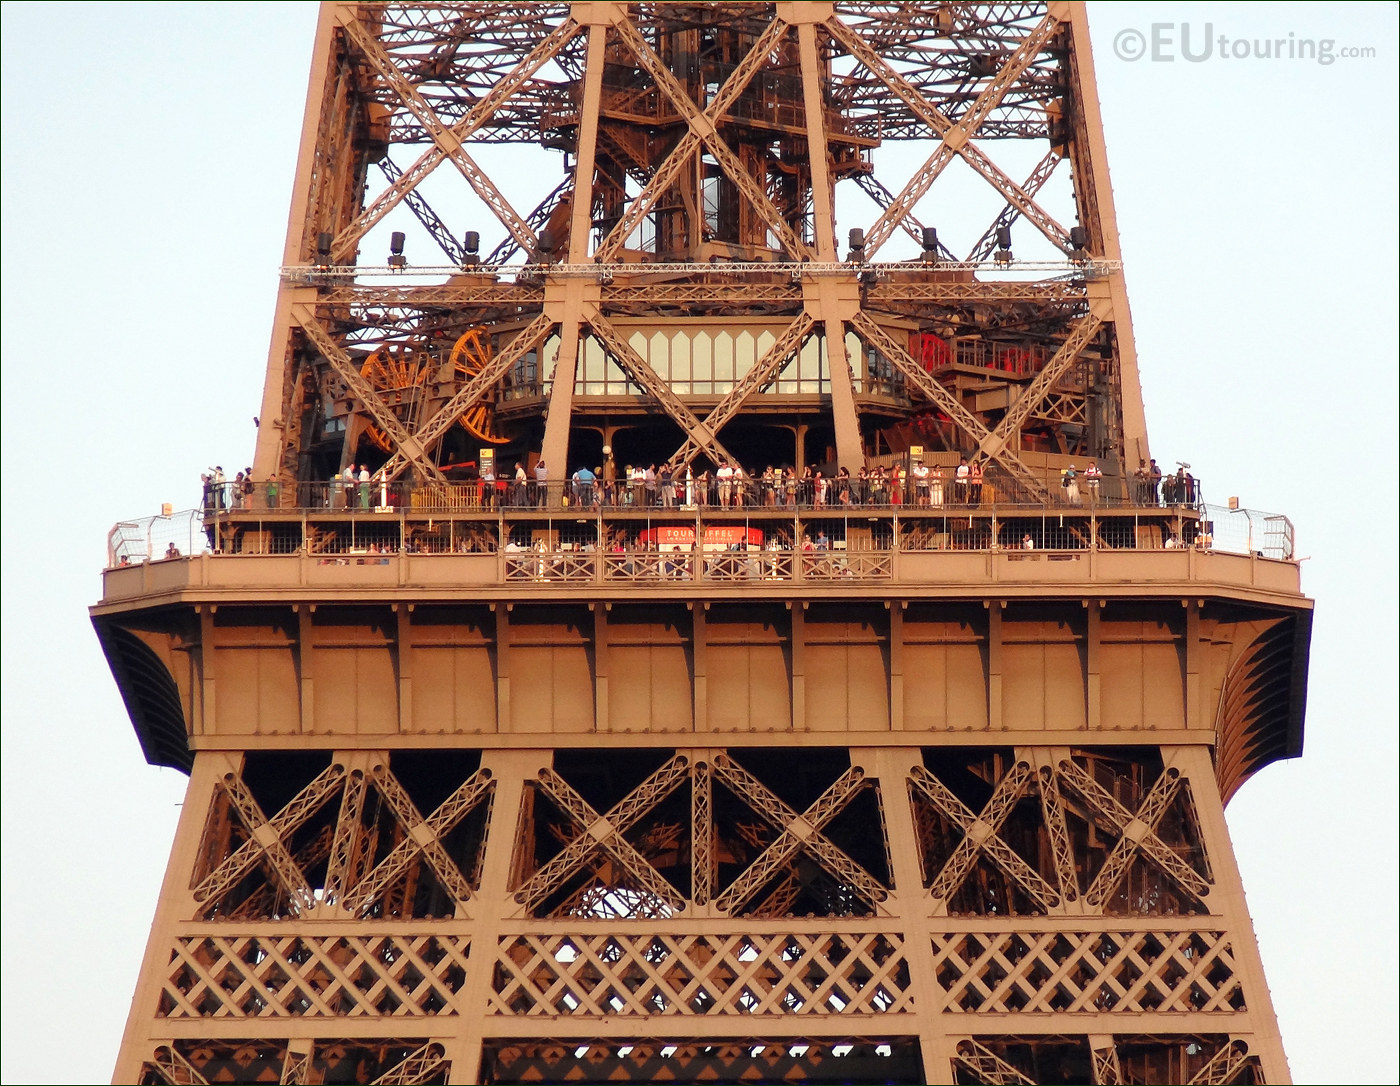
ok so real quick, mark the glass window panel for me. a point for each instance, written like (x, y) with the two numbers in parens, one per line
(657, 353)
(724, 362)
(591, 368)
(743, 354)
(810, 366)
(789, 376)
(701, 363)
(680, 363)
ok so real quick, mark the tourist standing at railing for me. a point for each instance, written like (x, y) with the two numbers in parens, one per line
(1140, 483)
(1069, 483)
(583, 482)
(961, 482)
(1092, 478)
(522, 484)
(875, 484)
(219, 494)
(1154, 482)
(609, 475)
(843, 486)
(666, 478)
(488, 485)
(724, 476)
(364, 486)
(541, 483)
(935, 486)
(920, 471)
(975, 482)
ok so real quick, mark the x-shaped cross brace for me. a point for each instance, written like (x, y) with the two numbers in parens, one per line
(605, 833)
(430, 433)
(701, 130)
(796, 833)
(1138, 833)
(698, 433)
(993, 443)
(980, 834)
(447, 141)
(423, 837)
(763, 373)
(956, 138)
(268, 837)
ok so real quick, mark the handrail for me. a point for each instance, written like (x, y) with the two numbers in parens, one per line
(658, 542)
(836, 495)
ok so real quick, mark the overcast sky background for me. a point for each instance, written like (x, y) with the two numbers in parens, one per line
(148, 158)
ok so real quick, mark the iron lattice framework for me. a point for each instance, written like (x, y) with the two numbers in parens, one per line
(851, 743)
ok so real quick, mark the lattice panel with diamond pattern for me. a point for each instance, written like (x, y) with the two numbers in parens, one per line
(235, 976)
(1067, 972)
(808, 973)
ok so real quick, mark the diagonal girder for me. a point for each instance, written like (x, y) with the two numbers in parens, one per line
(424, 213)
(1008, 215)
(268, 836)
(1052, 809)
(956, 138)
(507, 247)
(980, 834)
(543, 52)
(763, 373)
(422, 836)
(990, 1069)
(795, 834)
(296, 1065)
(1135, 837)
(651, 383)
(332, 352)
(700, 131)
(430, 433)
(945, 401)
(1036, 392)
(424, 1064)
(444, 137)
(1108, 1071)
(175, 1069)
(883, 197)
(1223, 1067)
(348, 838)
(606, 833)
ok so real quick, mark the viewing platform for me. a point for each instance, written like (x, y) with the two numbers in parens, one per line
(543, 546)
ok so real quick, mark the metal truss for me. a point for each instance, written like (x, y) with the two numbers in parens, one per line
(450, 78)
(481, 888)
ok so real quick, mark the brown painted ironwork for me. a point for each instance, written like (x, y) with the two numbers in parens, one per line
(799, 757)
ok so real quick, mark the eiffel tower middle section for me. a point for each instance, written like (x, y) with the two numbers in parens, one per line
(662, 638)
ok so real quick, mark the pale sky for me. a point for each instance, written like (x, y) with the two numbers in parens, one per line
(148, 157)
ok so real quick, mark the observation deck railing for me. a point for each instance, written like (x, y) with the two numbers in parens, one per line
(605, 544)
(753, 493)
